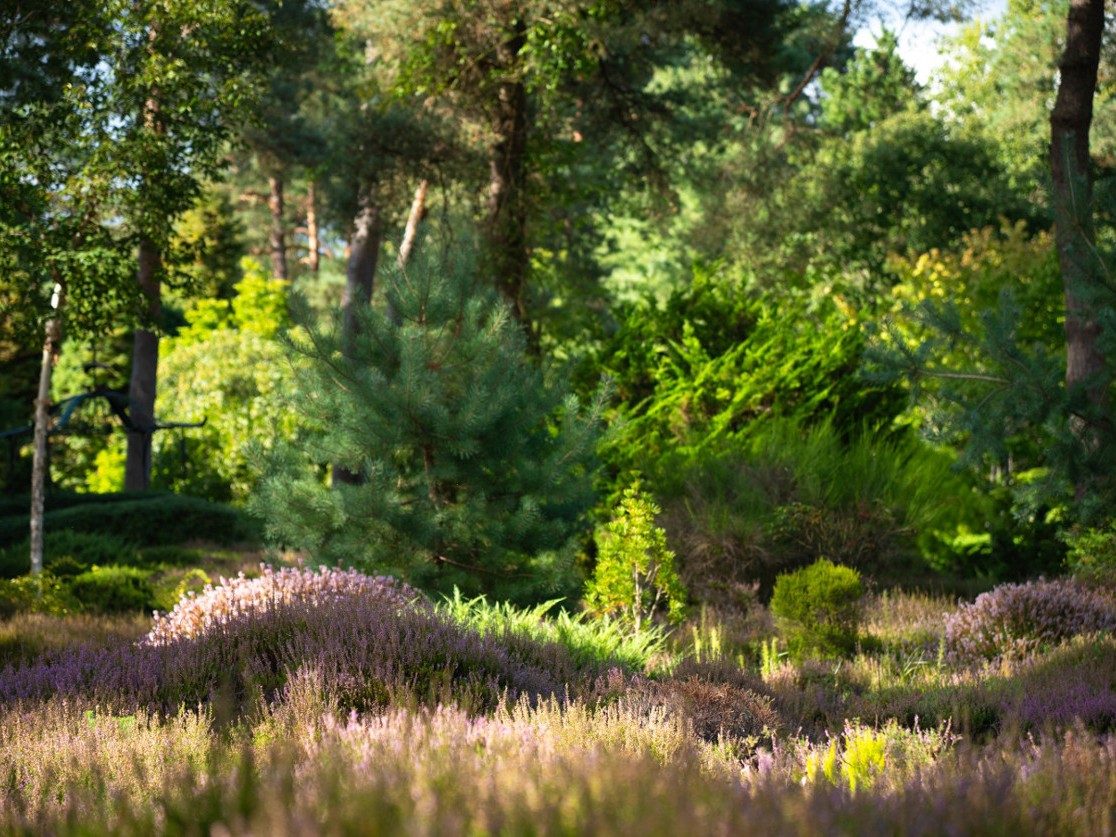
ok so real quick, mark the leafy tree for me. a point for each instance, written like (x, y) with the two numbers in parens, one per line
(475, 472)
(1000, 78)
(875, 85)
(550, 88)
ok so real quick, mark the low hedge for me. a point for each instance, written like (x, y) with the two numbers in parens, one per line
(156, 521)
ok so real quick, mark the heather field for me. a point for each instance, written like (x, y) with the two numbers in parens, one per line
(301, 701)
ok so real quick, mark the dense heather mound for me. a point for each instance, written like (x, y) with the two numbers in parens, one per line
(233, 647)
(231, 598)
(1014, 620)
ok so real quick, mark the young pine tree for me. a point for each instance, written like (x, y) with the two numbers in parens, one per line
(472, 471)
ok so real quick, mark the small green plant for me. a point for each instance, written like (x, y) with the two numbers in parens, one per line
(1092, 556)
(44, 593)
(817, 609)
(635, 578)
(113, 589)
(771, 658)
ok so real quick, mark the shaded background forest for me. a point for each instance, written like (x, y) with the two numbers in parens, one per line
(827, 300)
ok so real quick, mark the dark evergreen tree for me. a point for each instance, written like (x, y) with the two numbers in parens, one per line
(475, 469)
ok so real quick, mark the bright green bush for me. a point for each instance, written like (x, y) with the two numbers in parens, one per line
(715, 364)
(113, 589)
(635, 579)
(30, 594)
(817, 609)
(1092, 556)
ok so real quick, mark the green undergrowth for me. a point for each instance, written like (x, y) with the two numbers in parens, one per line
(589, 640)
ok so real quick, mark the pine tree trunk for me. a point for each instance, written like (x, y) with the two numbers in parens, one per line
(277, 241)
(145, 365)
(41, 462)
(506, 223)
(364, 255)
(360, 276)
(1070, 122)
(313, 237)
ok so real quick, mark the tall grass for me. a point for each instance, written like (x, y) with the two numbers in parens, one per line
(788, 495)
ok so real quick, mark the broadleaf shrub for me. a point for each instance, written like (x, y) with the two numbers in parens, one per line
(817, 608)
(1092, 556)
(1015, 620)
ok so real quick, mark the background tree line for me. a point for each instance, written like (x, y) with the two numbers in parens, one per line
(813, 283)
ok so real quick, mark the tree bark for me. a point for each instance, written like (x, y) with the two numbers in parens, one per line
(145, 365)
(277, 240)
(360, 276)
(1070, 122)
(314, 242)
(418, 209)
(506, 223)
(364, 255)
(41, 463)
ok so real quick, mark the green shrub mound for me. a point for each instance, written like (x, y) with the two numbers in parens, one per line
(164, 519)
(113, 590)
(67, 553)
(817, 609)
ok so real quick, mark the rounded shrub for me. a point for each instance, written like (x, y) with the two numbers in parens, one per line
(817, 609)
(198, 613)
(113, 589)
(1014, 620)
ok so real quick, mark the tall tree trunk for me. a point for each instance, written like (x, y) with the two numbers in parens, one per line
(314, 239)
(277, 240)
(145, 365)
(506, 223)
(1073, 209)
(364, 254)
(41, 462)
(360, 276)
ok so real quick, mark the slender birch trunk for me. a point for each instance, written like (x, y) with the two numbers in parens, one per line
(41, 462)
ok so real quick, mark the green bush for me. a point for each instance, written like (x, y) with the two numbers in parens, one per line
(20, 504)
(29, 594)
(1092, 556)
(635, 578)
(817, 609)
(64, 550)
(113, 589)
(715, 364)
(160, 520)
